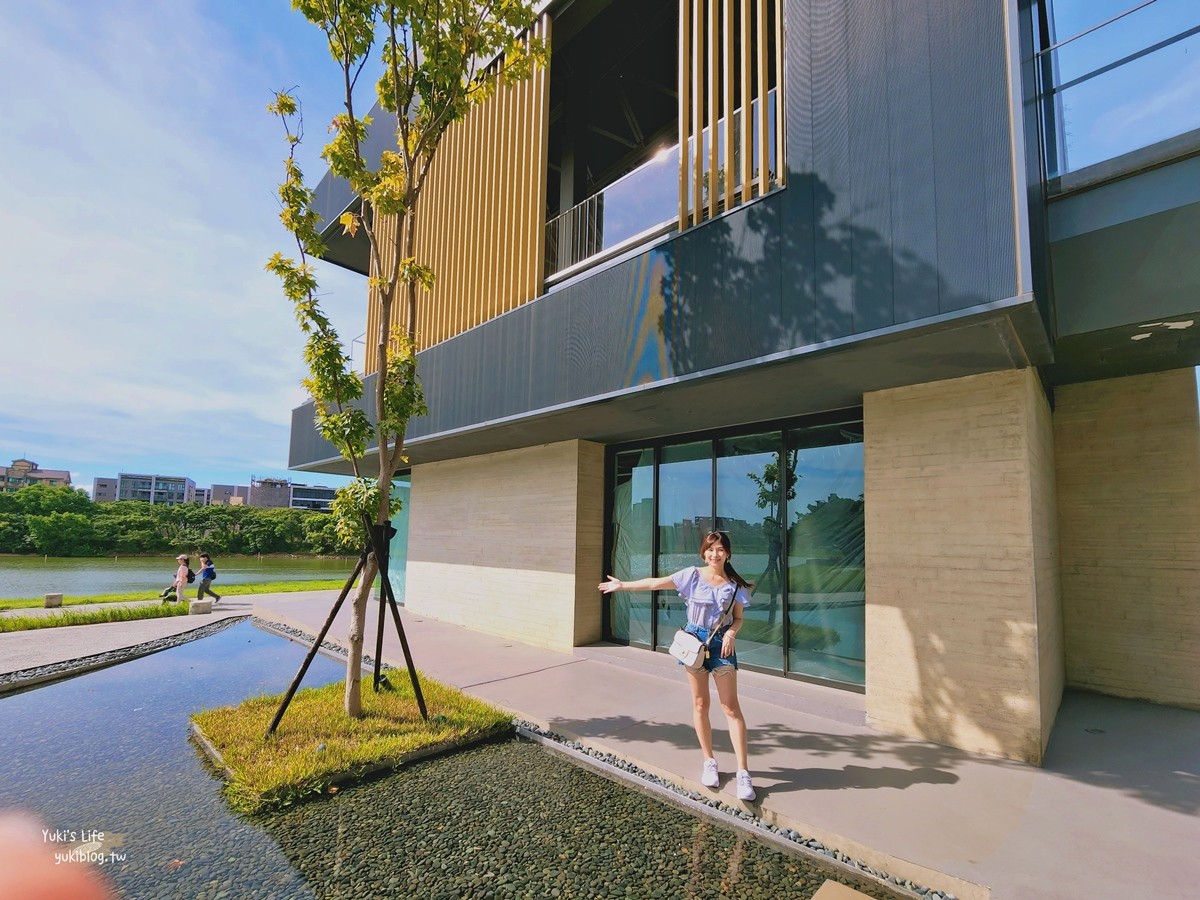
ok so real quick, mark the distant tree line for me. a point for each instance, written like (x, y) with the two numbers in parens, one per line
(63, 521)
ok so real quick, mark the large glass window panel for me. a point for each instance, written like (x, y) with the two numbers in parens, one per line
(632, 544)
(826, 559)
(750, 508)
(1119, 82)
(398, 548)
(685, 515)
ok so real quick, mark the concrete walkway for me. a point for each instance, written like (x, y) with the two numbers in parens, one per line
(1114, 812)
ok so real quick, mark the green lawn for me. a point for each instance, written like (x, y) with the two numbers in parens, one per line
(316, 746)
(92, 617)
(267, 587)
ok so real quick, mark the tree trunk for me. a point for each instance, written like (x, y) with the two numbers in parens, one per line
(354, 639)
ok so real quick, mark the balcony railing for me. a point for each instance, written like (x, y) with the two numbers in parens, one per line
(1119, 83)
(633, 208)
(644, 203)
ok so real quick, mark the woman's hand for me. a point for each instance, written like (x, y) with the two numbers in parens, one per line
(727, 644)
(613, 584)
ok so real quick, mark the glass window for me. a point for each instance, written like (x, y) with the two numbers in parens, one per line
(793, 506)
(750, 508)
(632, 544)
(1119, 82)
(685, 515)
(826, 558)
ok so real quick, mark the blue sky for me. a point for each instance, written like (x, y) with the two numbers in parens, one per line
(138, 329)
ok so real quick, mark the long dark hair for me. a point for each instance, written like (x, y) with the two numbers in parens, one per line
(720, 537)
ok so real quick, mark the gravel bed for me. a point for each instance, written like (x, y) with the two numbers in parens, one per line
(513, 820)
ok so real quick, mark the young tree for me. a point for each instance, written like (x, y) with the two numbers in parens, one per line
(432, 56)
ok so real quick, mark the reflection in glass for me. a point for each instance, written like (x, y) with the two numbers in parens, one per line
(1128, 84)
(684, 516)
(398, 548)
(632, 543)
(826, 555)
(750, 508)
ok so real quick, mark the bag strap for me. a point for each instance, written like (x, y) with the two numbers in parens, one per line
(728, 608)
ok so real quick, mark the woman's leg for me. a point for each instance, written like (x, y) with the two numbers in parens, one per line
(700, 701)
(726, 678)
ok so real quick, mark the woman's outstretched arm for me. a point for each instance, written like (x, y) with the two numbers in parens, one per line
(642, 584)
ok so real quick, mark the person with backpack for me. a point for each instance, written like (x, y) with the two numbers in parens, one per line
(207, 575)
(183, 576)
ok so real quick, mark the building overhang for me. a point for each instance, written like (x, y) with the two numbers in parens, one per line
(834, 375)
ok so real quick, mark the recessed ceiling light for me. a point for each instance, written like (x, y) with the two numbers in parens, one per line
(1140, 337)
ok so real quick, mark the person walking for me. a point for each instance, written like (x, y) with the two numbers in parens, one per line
(206, 575)
(181, 576)
(709, 591)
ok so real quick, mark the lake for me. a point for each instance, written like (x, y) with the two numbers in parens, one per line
(33, 576)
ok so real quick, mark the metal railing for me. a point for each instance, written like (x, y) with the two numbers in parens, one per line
(645, 202)
(1116, 85)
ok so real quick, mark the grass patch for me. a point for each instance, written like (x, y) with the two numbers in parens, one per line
(317, 747)
(92, 617)
(266, 587)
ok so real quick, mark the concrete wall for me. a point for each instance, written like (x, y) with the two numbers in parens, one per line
(511, 543)
(1128, 463)
(963, 615)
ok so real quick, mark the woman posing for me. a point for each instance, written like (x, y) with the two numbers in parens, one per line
(708, 590)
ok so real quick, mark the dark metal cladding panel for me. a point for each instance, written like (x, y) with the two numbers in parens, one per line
(910, 163)
(548, 328)
(967, 76)
(834, 297)
(591, 346)
(705, 327)
(515, 362)
(751, 280)
(998, 156)
(797, 215)
(869, 230)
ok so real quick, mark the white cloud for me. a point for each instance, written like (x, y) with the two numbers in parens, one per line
(138, 170)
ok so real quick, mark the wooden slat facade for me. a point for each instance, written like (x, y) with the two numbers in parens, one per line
(482, 215)
(721, 165)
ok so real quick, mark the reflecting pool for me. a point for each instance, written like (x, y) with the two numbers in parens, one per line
(109, 752)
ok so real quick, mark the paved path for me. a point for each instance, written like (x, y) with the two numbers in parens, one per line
(1114, 812)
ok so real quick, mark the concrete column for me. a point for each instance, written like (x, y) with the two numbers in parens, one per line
(511, 543)
(963, 617)
(1128, 463)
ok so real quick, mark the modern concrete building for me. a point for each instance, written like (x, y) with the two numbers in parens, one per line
(904, 296)
(166, 489)
(104, 490)
(224, 494)
(25, 472)
(312, 496)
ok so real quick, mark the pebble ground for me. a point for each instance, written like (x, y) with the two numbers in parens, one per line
(512, 820)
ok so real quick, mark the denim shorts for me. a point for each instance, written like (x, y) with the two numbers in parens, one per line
(713, 640)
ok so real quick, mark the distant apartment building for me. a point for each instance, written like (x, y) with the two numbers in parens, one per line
(228, 495)
(24, 472)
(311, 496)
(104, 490)
(270, 493)
(203, 496)
(282, 493)
(169, 490)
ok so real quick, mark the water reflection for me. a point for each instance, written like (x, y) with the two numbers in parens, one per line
(109, 751)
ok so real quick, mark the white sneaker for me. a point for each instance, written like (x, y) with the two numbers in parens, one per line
(745, 788)
(710, 777)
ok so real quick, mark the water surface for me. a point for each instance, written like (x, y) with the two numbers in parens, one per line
(33, 576)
